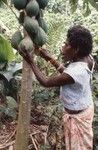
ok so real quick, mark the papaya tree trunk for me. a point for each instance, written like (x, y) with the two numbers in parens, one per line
(22, 134)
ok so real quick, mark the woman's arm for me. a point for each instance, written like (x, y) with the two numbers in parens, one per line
(57, 80)
(44, 54)
(48, 57)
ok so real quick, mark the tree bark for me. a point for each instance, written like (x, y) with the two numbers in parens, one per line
(22, 134)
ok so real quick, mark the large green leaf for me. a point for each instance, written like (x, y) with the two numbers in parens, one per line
(11, 103)
(12, 70)
(6, 51)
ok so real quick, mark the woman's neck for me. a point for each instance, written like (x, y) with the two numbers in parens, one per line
(83, 59)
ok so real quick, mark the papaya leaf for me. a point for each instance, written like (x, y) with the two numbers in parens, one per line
(6, 51)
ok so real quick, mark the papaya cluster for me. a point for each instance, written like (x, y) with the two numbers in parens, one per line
(31, 17)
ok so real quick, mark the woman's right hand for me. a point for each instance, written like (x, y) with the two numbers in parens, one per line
(43, 53)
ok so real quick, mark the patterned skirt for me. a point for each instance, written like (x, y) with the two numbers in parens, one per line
(78, 130)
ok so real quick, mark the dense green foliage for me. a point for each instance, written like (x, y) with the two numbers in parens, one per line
(59, 16)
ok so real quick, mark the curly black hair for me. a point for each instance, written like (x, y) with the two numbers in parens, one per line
(80, 38)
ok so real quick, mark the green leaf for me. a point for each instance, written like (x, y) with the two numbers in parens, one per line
(2, 109)
(11, 103)
(74, 4)
(11, 113)
(3, 1)
(11, 107)
(84, 5)
(88, 11)
(6, 51)
(11, 70)
(94, 4)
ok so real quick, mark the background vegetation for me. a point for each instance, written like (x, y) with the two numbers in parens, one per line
(59, 15)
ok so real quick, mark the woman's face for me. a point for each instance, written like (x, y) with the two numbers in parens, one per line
(67, 52)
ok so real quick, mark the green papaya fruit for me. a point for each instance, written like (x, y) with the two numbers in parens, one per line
(32, 8)
(42, 24)
(41, 37)
(31, 26)
(42, 3)
(21, 17)
(20, 4)
(26, 43)
(16, 39)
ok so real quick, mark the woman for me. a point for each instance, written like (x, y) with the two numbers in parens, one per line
(75, 87)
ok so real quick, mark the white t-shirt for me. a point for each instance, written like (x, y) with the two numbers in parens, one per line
(77, 96)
